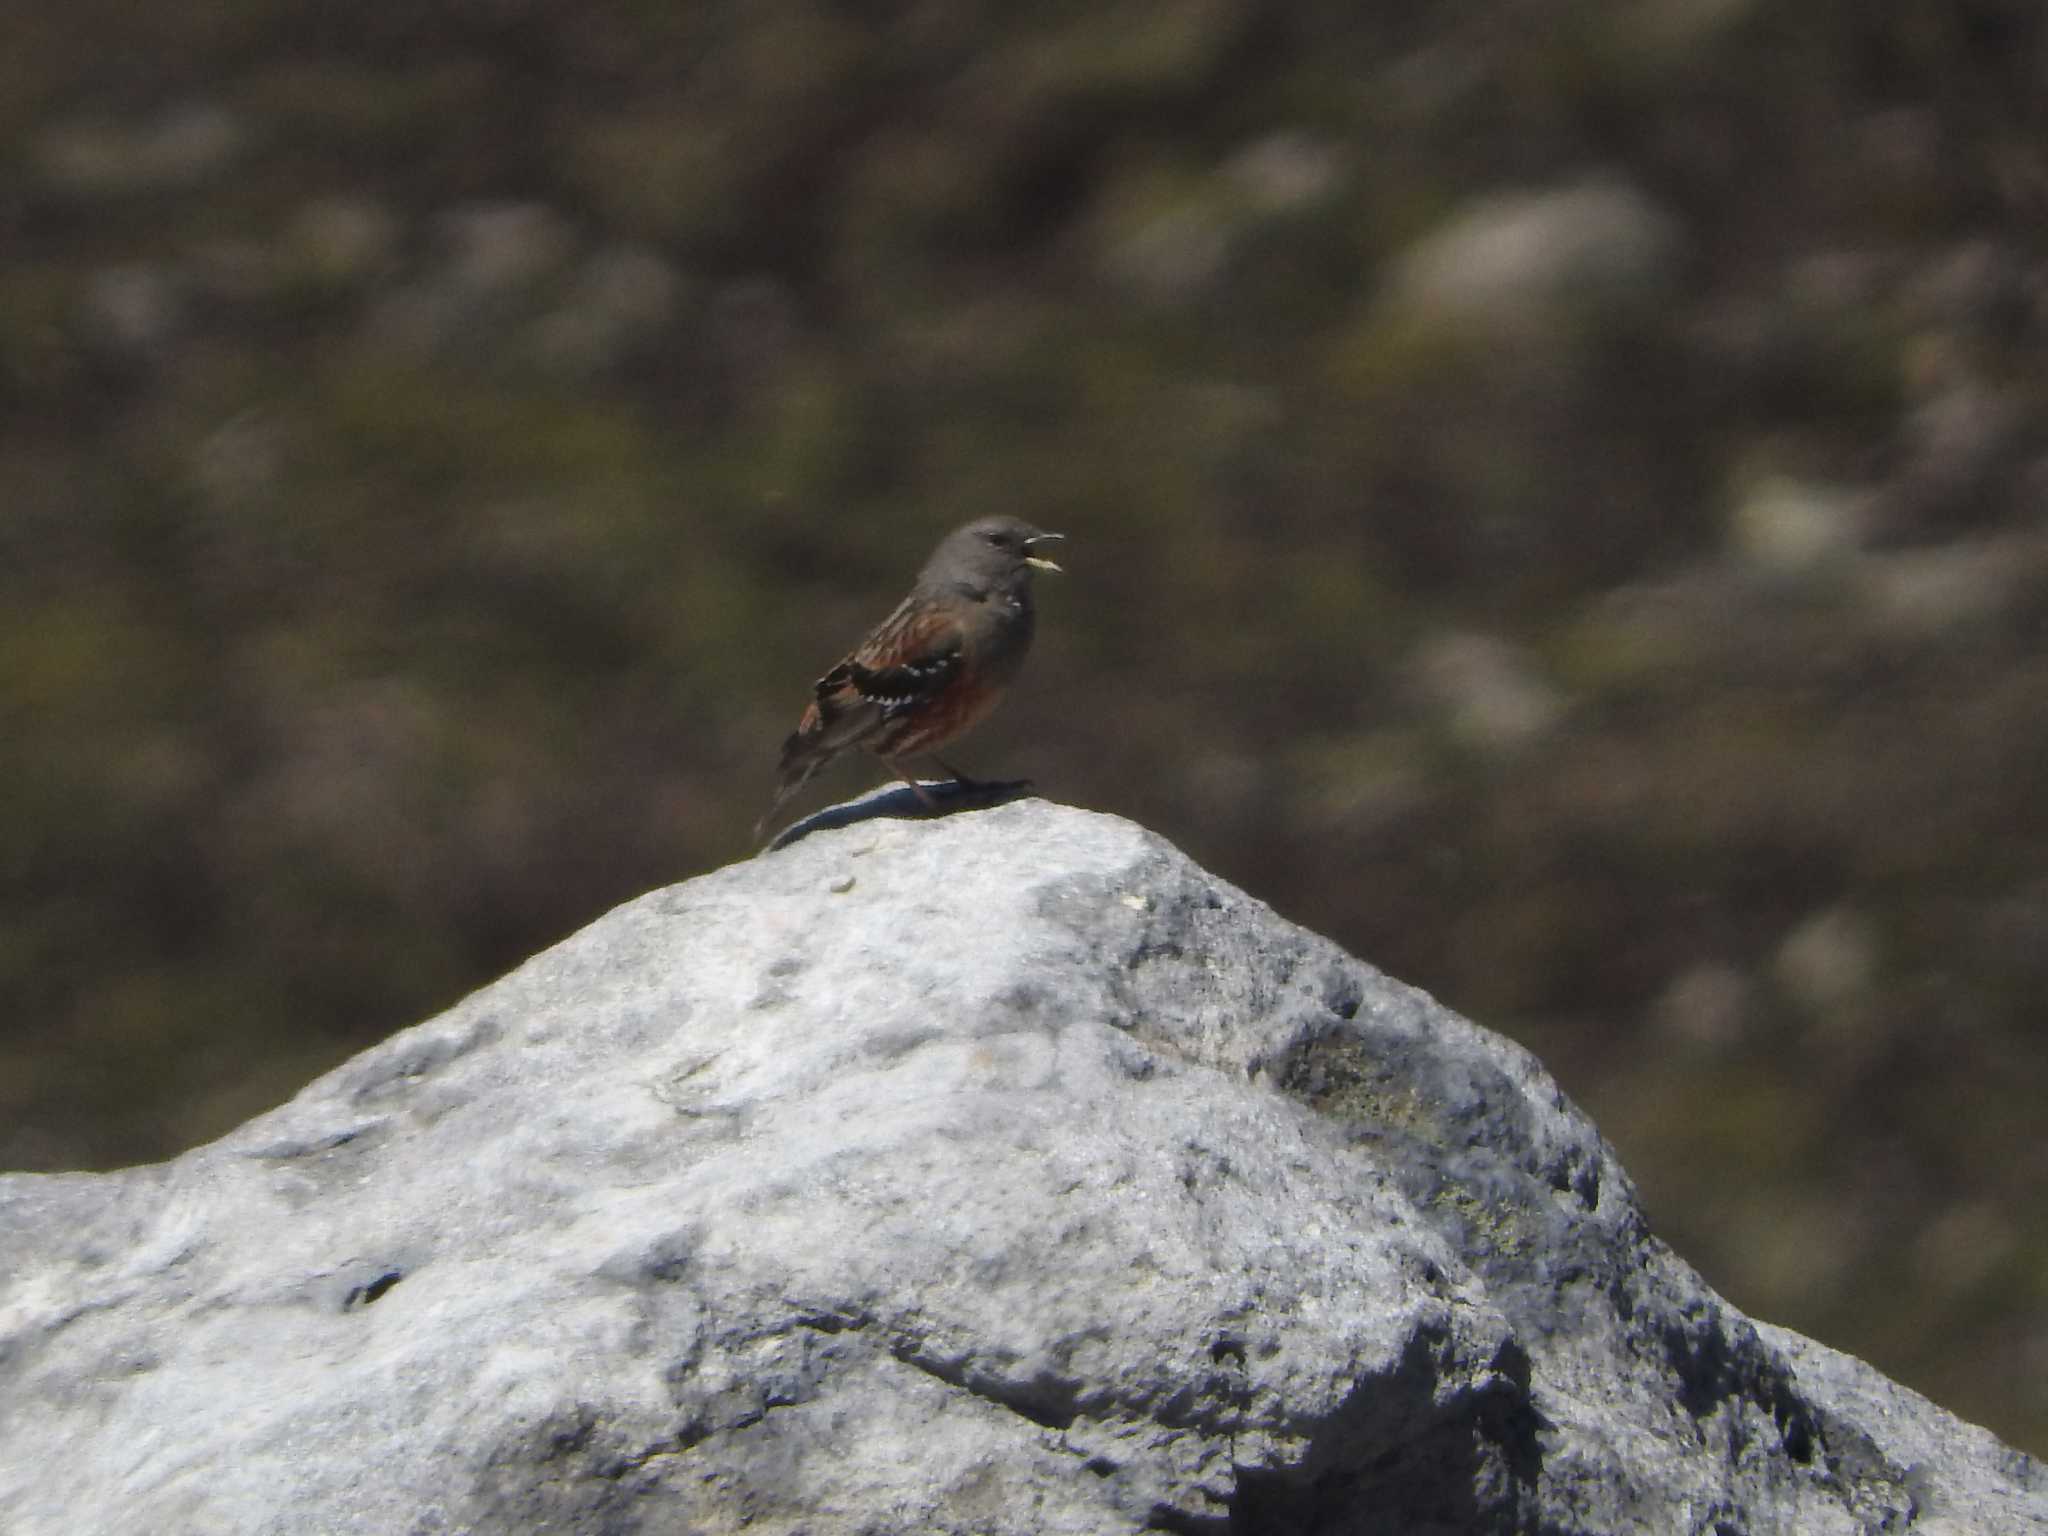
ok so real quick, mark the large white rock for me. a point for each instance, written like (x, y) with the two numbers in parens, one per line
(1000, 1173)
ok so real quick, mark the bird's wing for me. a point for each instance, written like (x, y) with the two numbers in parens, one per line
(909, 658)
(906, 659)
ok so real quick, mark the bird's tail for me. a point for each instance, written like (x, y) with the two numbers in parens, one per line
(803, 754)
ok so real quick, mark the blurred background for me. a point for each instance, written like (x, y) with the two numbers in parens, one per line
(1558, 497)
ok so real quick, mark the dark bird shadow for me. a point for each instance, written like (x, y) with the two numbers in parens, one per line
(899, 802)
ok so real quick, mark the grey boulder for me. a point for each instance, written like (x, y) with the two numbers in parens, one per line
(999, 1173)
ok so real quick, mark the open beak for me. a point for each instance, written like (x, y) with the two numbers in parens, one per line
(1039, 562)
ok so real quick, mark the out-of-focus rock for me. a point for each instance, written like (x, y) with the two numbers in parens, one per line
(1489, 691)
(340, 242)
(1828, 964)
(1517, 259)
(1165, 235)
(619, 302)
(132, 311)
(179, 147)
(1950, 590)
(1707, 1008)
(494, 267)
(1285, 172)
(499, 249)
(1785, 527)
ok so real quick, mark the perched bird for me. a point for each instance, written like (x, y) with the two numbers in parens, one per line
(932, 669)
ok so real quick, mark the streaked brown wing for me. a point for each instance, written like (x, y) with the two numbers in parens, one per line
(909, 658)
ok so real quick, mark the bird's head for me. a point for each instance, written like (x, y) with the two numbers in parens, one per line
(990, 552)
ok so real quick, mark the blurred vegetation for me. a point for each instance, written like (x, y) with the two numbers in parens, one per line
(1557, 501)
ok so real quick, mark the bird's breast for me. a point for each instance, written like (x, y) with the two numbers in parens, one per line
(1005, 636)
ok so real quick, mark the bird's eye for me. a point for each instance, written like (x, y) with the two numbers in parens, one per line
(998, 539)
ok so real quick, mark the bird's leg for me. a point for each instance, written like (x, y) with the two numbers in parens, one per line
(992, 788)
(924, 796)
(961, 782)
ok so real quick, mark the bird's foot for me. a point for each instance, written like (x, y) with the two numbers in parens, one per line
(963, 784)
(959, 787)
(964, 788)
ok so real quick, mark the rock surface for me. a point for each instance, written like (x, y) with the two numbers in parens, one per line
(999, 1173)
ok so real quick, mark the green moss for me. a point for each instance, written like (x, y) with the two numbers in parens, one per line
(1387, 354)
(1340, 1077)
(38, 352)
(1620, 650)
(663, 172)
(327, 103)
(1127, 52)
(1493, 1228)
(443, 429)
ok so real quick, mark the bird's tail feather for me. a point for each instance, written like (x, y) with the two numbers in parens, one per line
(837, 721)
(802, 756)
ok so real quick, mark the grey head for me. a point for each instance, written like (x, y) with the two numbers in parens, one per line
(990, 554)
